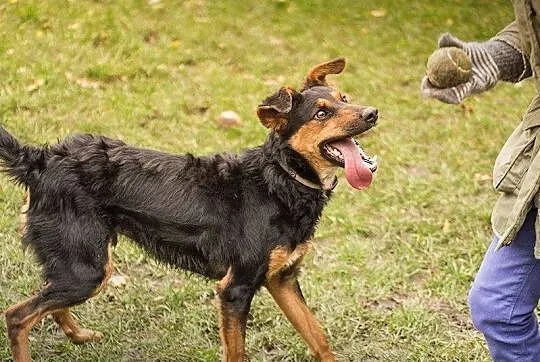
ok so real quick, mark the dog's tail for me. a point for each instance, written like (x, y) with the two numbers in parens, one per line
(22, 162)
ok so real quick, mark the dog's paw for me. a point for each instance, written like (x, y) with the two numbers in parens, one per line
(85, 336)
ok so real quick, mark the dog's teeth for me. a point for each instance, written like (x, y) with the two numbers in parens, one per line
(333, 151)
(373, 164)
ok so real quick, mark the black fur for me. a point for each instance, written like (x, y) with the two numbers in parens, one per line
(201, 214)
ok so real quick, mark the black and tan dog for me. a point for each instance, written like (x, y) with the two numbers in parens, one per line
(244, 219)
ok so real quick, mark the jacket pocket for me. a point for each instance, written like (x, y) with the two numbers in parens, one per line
(514, 159)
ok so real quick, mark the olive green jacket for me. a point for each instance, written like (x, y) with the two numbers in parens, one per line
(516, 173)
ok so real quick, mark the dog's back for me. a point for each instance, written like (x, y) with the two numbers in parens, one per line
(202, 214)
(185, 210)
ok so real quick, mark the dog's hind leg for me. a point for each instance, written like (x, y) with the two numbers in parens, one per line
(74, 283)
(288, 296)
(23, 316)
(20, 319)
(71, 328)
(67, 322)
(234, 299)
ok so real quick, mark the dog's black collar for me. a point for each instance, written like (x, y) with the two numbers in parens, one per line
(305, 182)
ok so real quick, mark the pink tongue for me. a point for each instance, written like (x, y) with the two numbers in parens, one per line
(357, 172)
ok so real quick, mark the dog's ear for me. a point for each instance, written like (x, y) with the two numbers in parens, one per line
(317, 75)
(274, 110)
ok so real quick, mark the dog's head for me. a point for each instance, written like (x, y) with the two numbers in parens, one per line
(320, 124)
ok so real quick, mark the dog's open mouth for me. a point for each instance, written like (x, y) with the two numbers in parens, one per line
(347, 153)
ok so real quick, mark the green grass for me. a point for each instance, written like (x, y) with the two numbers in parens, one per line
(392, 266)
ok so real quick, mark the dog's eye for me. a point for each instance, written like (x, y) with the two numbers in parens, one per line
(344, 98)
(321, 114)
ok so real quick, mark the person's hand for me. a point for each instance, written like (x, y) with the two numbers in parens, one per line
(485, 72)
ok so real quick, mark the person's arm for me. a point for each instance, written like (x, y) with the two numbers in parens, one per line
(500, 58)
(511, 57)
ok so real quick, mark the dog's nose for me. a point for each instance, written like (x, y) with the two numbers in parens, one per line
(370, 115)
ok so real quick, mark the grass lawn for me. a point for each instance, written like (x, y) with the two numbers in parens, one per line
(392, 266)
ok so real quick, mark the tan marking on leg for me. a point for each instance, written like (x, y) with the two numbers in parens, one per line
(231, 329)
(71, 328)
(20, 319)
(289, 300)
(23, 217)
(232, 332)
(225, 281)
(282, 258)
(109, 268)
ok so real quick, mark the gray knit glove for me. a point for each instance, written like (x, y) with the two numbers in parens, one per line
(485, 72)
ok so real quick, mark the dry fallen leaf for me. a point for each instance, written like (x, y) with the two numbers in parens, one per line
(36, 84)
(482, 178)
(446, 227)
(174, 44)
(83, 82)
(151, 37)
(378, 13)
(467, 109)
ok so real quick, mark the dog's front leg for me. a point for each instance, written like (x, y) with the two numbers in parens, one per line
(288, 296)
(234, 301)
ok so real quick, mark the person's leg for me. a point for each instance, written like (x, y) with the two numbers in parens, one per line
(504, 296)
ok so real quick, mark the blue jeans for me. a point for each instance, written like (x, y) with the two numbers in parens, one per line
(504, 296)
